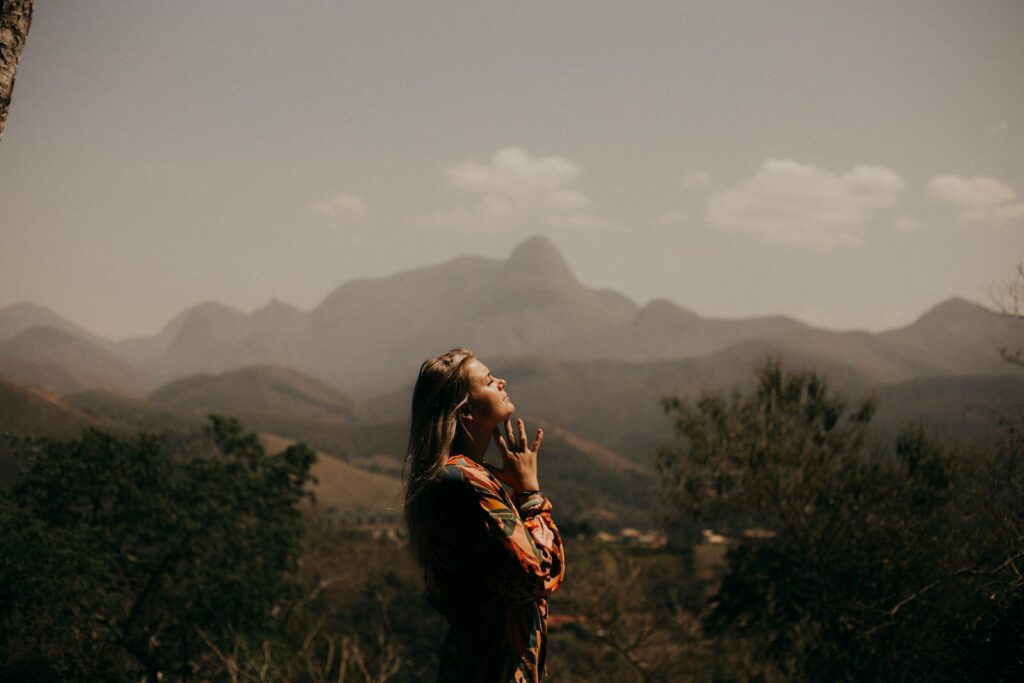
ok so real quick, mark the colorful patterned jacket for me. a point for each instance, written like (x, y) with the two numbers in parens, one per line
(489, 571)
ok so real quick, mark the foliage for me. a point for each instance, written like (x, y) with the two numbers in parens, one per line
(630, 614)
(361, 616)
(848, 563)
(121, 560)
(756, 458)
(1009, 299)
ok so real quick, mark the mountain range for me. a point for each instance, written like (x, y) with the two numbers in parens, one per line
(591, 365)
(369, 335)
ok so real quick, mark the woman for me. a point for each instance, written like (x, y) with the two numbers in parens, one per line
(489, 557)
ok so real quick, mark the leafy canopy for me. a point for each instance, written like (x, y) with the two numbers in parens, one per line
(119, 551)
(848, 561)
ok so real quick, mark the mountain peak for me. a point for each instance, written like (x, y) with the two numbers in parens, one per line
(277, 314)
(18, 317)
(276, 307)
(26, 308)
(955, 309)
(211, 321)
(46, 334)
(538, 255)
(662, 312)
(536, 247)
(213, 308)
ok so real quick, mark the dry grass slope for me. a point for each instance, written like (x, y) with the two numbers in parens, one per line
(345, 489)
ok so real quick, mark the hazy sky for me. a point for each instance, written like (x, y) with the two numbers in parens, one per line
(850, 164)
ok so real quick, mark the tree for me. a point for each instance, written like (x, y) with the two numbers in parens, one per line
(850, 562)
(1009, 300)
(15, 19)
(630, 615)
(121, 559)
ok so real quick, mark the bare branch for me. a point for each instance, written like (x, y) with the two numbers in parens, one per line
(965, 571)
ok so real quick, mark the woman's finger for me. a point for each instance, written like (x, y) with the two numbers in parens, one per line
(537, 440)
(508, 433)
(522, 433)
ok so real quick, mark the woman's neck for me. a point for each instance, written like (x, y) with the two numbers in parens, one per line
(472, 445)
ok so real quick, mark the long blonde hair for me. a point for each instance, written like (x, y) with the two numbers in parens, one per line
(441, 392)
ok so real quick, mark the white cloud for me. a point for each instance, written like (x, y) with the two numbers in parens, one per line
(981, 199)
(696, 179)
(512, 170)
(804, 205)
(513, 188)
(341, 206)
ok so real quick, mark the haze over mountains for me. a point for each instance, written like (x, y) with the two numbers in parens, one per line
(590, 365)
(369, 335)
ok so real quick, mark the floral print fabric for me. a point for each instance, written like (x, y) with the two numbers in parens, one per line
(491, 565)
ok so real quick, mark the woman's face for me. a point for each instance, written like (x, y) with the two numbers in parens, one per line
(488, 403)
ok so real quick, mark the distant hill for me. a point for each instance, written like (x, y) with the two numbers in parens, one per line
(617, 403)
(590, 364)
(587, 479)
(373, 332)
(210, 337)
(369, 335)
(135, 414)
(957, 337)
(60, 361)
(17, 318)
(603, 419)
(662, 330)
(529, 303)
(139, 350)
(585, 476)
(26, 411)
(261, 389)
(951, 407)
(344, 489)
(349, 441)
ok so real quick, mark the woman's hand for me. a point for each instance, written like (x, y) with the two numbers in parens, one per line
(518, 463)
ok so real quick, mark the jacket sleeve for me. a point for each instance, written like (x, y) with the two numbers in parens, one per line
(518, 560)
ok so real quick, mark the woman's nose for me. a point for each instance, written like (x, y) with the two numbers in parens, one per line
(501, 383)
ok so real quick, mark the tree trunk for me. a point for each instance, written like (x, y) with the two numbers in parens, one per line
(15, 17)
